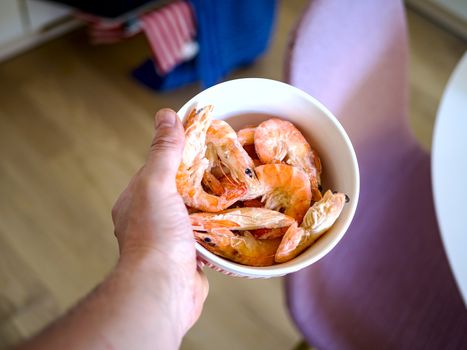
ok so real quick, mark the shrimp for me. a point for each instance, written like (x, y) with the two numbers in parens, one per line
(253, 203)
(318, 219)
(278, 140)
(250, 149)
(285, 187)
(209, 180)
(220, 170)
(269, 233)
(263, 233)
(212, 183)
(222, 185)
(243, 249)
(246, 136)
(257, 162)
(194, 163)
(215, 177)
(232, 155)
(240, 219)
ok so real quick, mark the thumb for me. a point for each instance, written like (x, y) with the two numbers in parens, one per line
(167, 146)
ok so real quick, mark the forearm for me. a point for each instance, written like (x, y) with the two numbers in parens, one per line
(129, 310)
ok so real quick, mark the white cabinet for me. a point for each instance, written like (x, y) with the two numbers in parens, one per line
(11, 24)
(42, 13)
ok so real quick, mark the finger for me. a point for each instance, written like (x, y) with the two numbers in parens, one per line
(167, 146)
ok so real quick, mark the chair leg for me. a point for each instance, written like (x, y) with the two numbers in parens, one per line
(303, 345)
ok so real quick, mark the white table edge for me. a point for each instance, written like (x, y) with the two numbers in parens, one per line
(457, 255)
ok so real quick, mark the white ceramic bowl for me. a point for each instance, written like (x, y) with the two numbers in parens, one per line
(249, 101)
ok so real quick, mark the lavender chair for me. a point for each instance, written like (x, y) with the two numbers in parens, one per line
(387, 284)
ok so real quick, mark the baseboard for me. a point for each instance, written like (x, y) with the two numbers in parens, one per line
(443, 17)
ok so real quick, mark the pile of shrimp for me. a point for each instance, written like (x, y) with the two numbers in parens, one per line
(254, 196)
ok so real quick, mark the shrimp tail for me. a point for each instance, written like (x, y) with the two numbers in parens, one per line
(291, 245)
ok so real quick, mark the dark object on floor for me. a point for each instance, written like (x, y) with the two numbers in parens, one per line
(182, 75)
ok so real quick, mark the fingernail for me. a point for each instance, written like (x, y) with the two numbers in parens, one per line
(165, 118)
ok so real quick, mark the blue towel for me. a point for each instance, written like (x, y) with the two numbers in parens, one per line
(181, 75)
(231, 33)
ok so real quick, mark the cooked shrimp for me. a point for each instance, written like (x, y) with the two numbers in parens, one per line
(242, 249)
(209, 180)
(223, 185)
(285, 188)
(257, 162)
(232, 155)
(191, 210)
(250, 149)
(194, 164)
(269, 233)
(278, 141)
(253, 203)
(212, 183)
(263, 233)
(318, 219)
(246, 136)
(240, 219)
(219, 171)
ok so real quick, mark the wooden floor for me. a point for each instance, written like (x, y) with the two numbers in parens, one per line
(74, 127)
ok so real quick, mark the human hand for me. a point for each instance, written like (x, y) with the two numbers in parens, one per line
(154, 231)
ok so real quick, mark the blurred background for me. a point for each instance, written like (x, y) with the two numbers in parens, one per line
(79, 85)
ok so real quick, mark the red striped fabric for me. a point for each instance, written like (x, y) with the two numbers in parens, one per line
(168, 30)
(103, 31)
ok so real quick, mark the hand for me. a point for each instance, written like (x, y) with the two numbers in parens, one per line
(153, 228)
(156, 292)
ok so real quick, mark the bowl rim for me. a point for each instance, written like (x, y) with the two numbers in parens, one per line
(288, 267)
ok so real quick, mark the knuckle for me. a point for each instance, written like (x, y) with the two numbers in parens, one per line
(165, 142)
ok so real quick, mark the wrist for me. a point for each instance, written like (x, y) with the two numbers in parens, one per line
(140, 258)
(151, 280)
